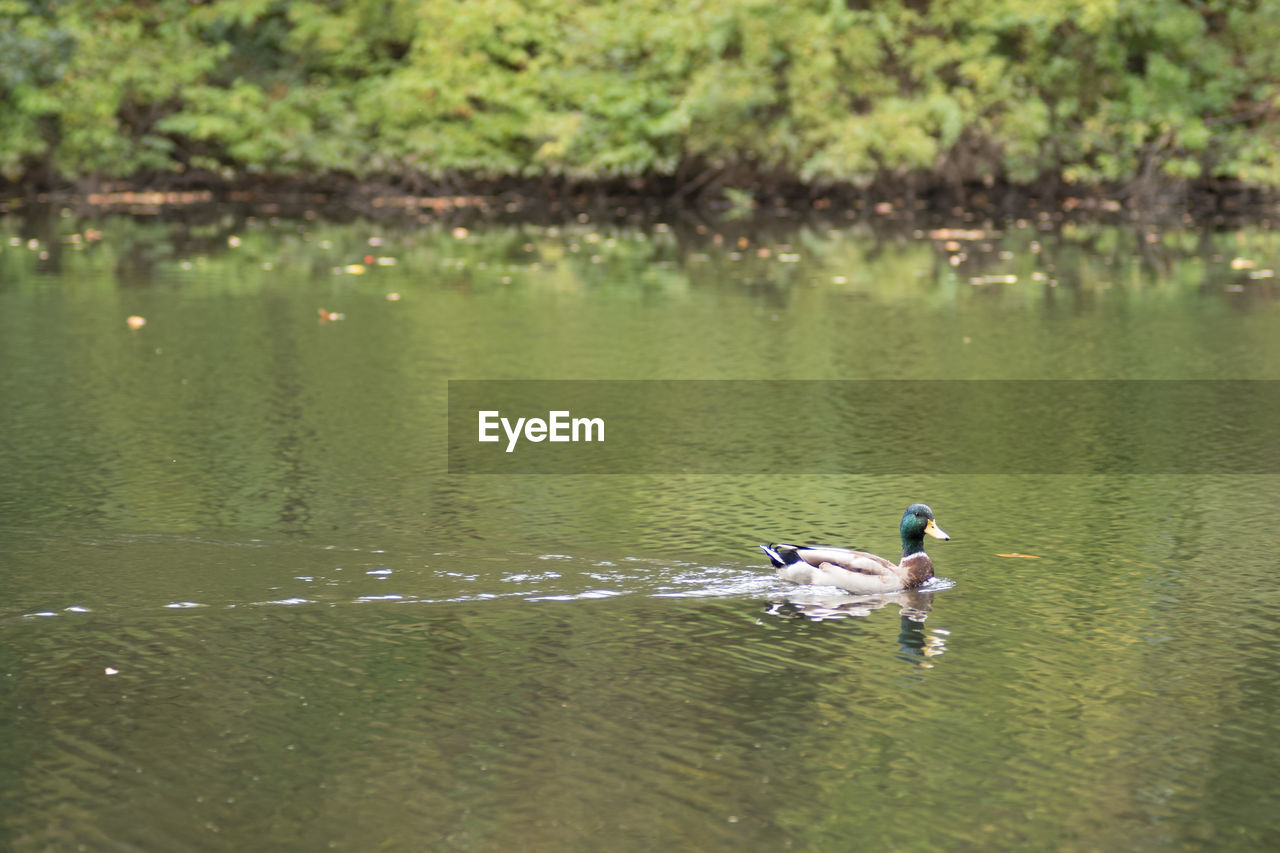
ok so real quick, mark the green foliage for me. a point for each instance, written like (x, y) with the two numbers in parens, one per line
(1013, 90)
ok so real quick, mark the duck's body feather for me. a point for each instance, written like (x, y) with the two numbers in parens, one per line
(855, 571)
(859, 571)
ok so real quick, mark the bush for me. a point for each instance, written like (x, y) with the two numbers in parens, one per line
(1015, 91)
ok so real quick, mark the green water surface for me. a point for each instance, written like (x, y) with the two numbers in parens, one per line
(244, 605)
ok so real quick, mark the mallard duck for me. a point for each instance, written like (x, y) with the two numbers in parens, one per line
(858, 571)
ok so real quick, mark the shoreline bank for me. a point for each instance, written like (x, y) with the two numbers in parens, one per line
(481, 199)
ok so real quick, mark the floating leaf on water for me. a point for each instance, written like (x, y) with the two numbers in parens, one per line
(1243, 263)
(957, 234)
(393, 297)
(111, 670)
(1023, 556)
(330, 316)
(354, 269)
(134, 322)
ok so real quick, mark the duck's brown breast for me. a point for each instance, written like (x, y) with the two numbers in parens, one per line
(918, 568)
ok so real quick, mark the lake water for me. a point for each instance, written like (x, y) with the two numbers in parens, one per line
(245, 605)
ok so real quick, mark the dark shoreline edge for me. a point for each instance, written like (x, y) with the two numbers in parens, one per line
(479, 198)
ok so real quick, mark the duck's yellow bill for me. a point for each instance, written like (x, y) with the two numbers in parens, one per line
(935, 531)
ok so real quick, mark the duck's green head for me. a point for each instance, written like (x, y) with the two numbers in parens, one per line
(917, 522)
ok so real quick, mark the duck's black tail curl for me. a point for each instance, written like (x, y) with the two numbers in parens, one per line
(781, 555)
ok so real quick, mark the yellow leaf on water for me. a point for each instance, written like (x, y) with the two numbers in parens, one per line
(1023, 556)
(957, 234)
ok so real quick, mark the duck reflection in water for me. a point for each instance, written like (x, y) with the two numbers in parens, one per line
(914, 607)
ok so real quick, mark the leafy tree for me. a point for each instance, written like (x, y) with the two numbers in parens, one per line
(1083, 91)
